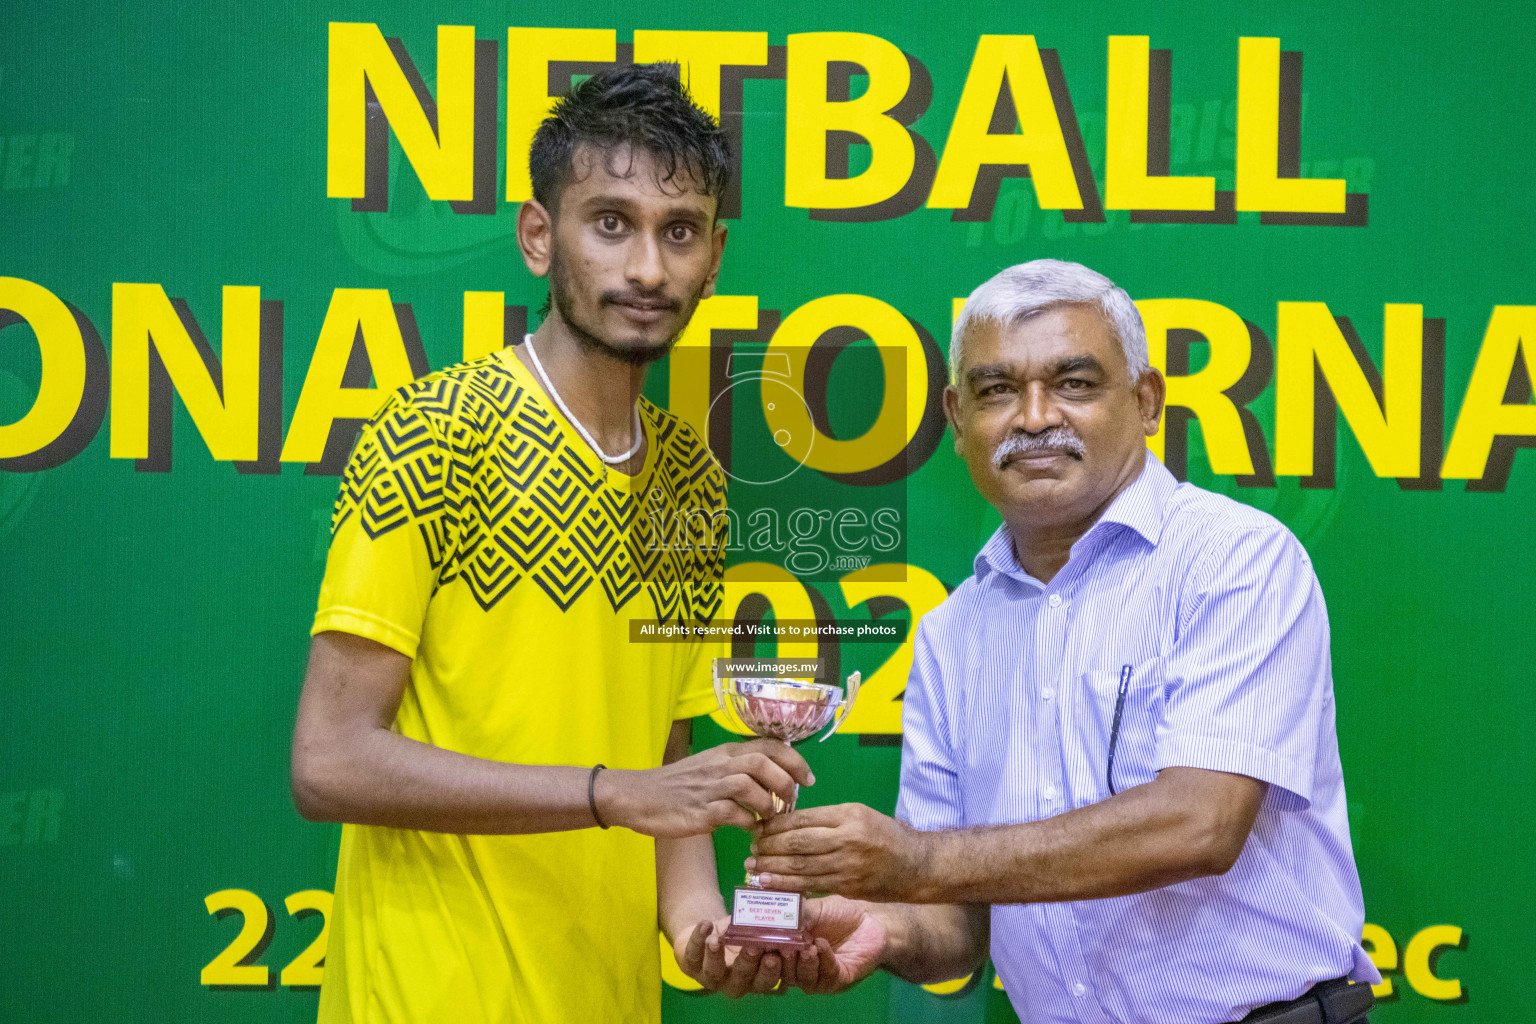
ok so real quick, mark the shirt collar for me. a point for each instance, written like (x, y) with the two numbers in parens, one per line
(1139, 507)
(996, 555)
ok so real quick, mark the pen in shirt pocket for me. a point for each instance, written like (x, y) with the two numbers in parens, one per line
(1114, 728)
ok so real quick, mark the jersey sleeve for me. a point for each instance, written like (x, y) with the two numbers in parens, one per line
(1249, 684)
(390, 531)
(697, 694)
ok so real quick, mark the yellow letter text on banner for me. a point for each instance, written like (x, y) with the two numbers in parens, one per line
(1203, 393)
(688, 367)
(878, 709)
(63, 380)
(1419, 955)
(1511, 335)
(904, 369)
(1382, 949)
(529, 53)
(324, 400)
(1127, 185)
(142, 315)
(1388, 431)
(1012, 62)
(485, 324)
(809, 117)
(444, 159)
(1259, 185)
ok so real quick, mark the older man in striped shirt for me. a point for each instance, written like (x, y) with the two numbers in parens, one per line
(1120, 763)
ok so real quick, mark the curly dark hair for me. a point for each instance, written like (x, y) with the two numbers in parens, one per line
(639, 107)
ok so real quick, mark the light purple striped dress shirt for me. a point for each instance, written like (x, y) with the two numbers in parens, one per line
(1008, 713)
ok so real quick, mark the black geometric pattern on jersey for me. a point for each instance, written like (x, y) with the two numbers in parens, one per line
(480, 467)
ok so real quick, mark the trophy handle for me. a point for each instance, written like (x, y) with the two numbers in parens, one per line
(727, 706)
(850, 691)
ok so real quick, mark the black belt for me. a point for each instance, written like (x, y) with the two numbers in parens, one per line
(1329, 1002)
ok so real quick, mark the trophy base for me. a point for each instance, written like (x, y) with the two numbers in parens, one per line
(772, 920)
(797, 941)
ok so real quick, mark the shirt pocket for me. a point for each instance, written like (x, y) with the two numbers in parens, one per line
(1133, 739)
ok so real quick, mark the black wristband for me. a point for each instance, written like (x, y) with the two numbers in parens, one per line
(592, 794)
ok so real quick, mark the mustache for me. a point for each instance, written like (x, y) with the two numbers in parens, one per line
(641, 300)
(1051, 441)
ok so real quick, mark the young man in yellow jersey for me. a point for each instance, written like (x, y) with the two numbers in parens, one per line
(471, 669)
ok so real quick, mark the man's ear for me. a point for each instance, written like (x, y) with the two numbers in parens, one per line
(717, 245)
(952, 412)
(1150, 391)
(535, 236)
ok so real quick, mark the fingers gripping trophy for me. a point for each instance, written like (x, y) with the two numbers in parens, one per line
(789, 710)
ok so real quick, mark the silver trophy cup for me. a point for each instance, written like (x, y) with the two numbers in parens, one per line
(789, 710)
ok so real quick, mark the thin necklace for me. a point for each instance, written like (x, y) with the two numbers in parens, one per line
(612, 460)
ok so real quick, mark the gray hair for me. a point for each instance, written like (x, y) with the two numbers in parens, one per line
(1027, 288)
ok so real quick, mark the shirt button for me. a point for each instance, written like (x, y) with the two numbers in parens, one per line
(1054, 601)
(1078, 988)
(1047, 693)
(1050, 792)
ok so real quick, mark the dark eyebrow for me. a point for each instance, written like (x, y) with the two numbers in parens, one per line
(688, 214)
(1076, 364)
(599, 202)
(626, 205)
(977, 374)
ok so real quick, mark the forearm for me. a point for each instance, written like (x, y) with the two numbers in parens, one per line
(925, 944)
(687, 889)
(687, 886)
(350, 765)
(1145, 838)
(382, 778)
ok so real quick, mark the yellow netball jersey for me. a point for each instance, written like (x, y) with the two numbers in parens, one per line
(477, 534)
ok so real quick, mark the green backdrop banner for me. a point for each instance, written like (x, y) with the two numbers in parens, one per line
(226, 231)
